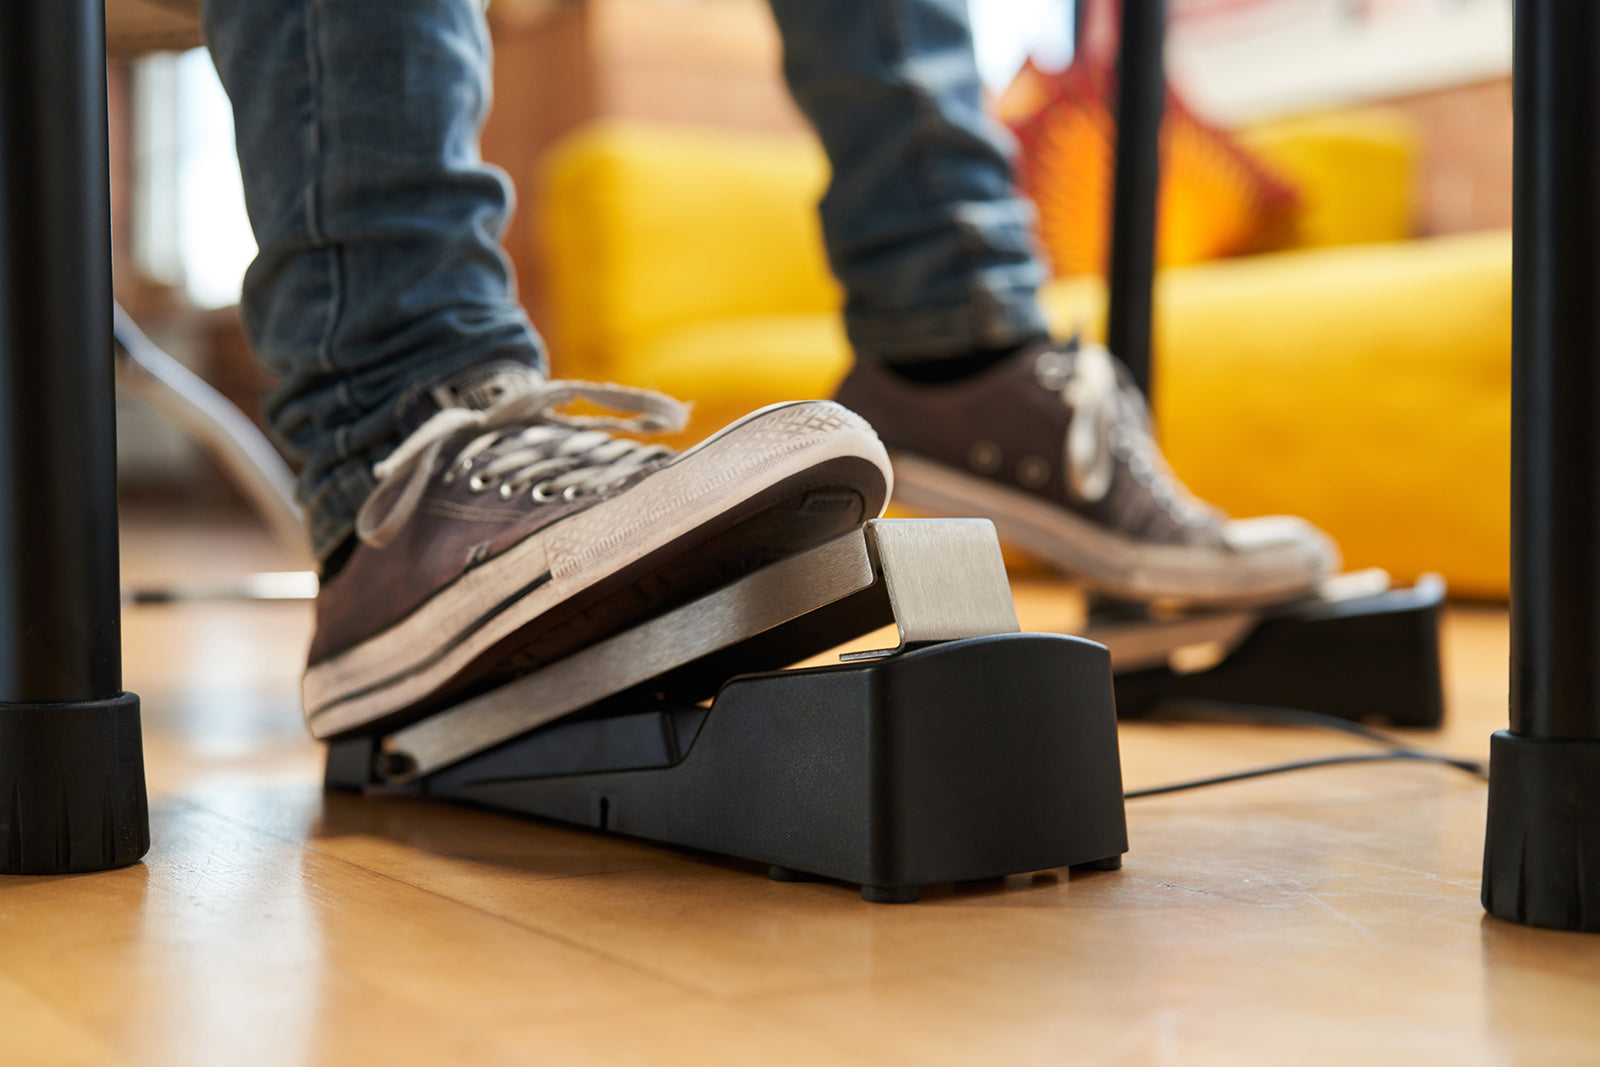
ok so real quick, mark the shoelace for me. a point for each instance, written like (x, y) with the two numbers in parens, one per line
(531, 448)
(1110, 422)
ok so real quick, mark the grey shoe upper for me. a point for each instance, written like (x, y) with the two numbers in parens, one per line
(500, 472)
(1063, 422)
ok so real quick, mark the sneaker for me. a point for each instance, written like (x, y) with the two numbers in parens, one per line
(503, 535)
(1053, 444)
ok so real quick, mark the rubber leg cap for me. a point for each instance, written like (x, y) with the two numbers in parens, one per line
(1541, 855)
(72, 794)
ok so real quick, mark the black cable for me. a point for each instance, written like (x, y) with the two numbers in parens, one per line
(1221, 712)
(1218, 711)
(1470, 766)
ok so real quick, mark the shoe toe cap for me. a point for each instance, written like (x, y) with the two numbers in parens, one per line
(1291, 541)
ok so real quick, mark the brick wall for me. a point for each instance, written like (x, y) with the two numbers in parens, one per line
(1465, 176)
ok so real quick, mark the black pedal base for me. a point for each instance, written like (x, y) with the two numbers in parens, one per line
(961, 761)
(72, 791)
(1370, 658)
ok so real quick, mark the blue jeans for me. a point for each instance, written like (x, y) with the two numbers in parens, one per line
(379, 224)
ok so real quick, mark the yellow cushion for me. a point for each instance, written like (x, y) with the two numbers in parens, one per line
(649, 228)
(1365, 388)
(1356, 172)
(731, 367)
(1217, 199)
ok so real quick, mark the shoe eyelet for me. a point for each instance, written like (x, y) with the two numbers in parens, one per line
(1052, 371)
(571, 493)
(984, 457)
(478, 483)
(507, 492)
(541, 493)
(1033, 472)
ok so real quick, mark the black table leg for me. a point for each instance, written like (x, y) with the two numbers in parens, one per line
(72, 793)
(1542, 854)
(1141, 98)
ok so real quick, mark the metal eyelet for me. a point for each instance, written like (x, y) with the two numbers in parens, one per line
(507, 491)
(571, 493)
(542, 494)
(453, 474)
(478, 483)
(1033, 472)
(984, 457)
(1052, 370)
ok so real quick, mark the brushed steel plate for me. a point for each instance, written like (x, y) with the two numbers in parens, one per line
(936, 579)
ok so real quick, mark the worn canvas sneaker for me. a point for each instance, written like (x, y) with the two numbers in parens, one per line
(1054, 446)
(503, 535)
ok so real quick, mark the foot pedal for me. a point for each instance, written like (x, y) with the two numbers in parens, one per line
(1359, 651)
(970, 751)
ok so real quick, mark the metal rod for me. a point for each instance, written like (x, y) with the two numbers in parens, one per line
(232, 440)
(59, 610)
(1555, 435)
(1141, 95)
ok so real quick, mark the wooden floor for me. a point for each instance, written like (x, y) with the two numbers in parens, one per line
(1324, 917)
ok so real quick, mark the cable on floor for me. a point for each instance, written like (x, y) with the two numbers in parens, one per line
(1396, 749)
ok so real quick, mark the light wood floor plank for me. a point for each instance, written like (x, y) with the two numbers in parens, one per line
(1325, 917)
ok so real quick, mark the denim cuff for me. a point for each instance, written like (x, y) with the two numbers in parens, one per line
(988, 319)
(333, 512)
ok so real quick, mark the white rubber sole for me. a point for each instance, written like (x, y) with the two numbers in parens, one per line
(1265, 560)
(415, 658)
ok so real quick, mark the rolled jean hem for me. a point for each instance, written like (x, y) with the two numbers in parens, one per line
(338, 496)
(333, 517)
(944, 332)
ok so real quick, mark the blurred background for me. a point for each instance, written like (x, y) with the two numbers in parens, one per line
(1333, 309)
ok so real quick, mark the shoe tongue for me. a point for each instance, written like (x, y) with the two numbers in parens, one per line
(478, 387)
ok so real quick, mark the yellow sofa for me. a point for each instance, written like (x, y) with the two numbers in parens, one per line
(1364, 386)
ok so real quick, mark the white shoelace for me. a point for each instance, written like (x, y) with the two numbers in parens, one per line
(532, 449)
(1110, 422)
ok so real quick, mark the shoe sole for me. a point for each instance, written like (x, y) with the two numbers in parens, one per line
(777, 481)
(1110, 562)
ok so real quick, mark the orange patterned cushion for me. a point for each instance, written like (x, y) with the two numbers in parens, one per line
(1216, 198)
